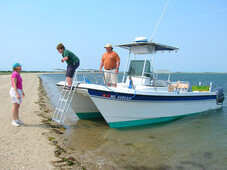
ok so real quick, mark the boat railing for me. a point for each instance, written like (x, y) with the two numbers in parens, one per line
(93, 76)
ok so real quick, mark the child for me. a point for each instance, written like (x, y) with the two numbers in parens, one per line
(73, 63)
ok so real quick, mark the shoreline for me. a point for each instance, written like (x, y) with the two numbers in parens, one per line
(37, 144)
(55, 132)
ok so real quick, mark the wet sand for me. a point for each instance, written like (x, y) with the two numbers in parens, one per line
(34, 145)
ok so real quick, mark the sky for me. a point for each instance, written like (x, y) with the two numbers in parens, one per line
(30, 30)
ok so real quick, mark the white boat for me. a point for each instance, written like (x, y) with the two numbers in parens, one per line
(141, 98)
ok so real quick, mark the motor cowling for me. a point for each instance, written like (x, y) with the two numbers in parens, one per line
(220, 96)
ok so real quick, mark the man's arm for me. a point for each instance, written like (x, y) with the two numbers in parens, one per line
(118, 65)
(101, 65)
(65, 59)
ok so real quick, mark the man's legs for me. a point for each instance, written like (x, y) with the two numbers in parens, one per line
(69, 80)
(114, 78)
(70, 72)
(107, 78)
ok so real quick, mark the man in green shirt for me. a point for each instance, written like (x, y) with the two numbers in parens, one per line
(72, 61)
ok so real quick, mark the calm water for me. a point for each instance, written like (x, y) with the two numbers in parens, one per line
(194, 142)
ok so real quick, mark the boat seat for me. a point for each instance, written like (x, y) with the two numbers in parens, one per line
(160, 83)
(172, 87)
(182, 86)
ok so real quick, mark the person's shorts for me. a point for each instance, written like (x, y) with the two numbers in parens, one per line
(71, 69)
(13, 95)
(110, 78)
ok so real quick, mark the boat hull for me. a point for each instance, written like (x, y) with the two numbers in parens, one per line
(123, 111)
(128, 108)
(82, 104)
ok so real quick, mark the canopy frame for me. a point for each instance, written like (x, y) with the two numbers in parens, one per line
(145, 48)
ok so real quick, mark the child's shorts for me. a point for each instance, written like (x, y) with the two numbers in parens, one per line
(71, 69)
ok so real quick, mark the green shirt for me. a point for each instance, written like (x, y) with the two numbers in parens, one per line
(72, 58)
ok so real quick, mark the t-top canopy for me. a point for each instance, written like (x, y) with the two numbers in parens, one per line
(146, 47)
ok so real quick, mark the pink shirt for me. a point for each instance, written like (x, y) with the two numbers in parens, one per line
(19, 80)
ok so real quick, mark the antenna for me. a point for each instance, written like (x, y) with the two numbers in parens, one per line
(159, 20)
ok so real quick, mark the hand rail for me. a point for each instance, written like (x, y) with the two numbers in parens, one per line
(96, 74)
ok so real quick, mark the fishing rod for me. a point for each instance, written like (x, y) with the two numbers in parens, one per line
(159, 20)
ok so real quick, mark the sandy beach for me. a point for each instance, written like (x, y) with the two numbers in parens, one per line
(32, 146)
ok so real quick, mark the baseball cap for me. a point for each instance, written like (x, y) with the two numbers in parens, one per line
(16, 65)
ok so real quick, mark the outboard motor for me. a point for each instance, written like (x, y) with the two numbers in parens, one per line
(220, 96)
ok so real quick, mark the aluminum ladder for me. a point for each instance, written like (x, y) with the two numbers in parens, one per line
(64, 101)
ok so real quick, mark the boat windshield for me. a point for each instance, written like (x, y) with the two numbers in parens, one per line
(136, 68)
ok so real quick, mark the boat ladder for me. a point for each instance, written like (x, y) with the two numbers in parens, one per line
(64, 101)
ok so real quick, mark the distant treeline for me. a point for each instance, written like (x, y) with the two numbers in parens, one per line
(10, 72)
